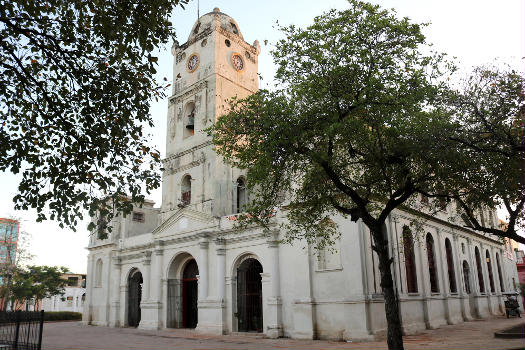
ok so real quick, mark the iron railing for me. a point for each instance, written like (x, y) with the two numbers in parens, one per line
(21, 330)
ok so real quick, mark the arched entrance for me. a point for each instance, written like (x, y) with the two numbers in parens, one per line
(134, 296)
(249, 296)
(182, 292)
(189, 295)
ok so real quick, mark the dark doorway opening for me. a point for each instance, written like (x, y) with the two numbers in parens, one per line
(190, 295)
(134, 296)
(249, 296)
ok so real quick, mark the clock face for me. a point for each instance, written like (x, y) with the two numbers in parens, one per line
(237, 62)
(193, 62)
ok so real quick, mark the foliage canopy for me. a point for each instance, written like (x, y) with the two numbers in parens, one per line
(356, 126)
(489, 110)
(76, 81)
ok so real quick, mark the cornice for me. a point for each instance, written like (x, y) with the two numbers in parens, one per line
(183, 212)
(431, 221)
(187, 92)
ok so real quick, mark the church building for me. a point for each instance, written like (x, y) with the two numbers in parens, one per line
(187, 265)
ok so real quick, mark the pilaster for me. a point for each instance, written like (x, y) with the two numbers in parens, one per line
(87, 315)
(148, 307)
(114, 319)
(274, 328)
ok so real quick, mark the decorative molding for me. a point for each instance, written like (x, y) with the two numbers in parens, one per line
(273, 239)
(186, 212)
(431, 221)
(159, 246)
(147, 257)
(116, 260)
(101, 246)
(232, 37)
(187, 166)
(169, 162)
(193, 89)
(274, 301)
(181, 48)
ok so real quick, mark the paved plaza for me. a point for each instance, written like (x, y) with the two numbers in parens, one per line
(464, 336)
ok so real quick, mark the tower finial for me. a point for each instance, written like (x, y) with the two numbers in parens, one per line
(198, 10)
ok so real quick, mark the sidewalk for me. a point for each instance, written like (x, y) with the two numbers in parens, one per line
(475, 335)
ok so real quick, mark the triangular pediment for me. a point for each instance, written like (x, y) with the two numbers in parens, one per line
(185, 220)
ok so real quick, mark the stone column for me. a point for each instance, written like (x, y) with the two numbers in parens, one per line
(458, 269)
(151, 307)
(497, 285)
(210, 312)
(474, 299)
(145, 319)
(220, 306)
(274, 324)
(146, 276)
(123, 310)
(156, 283)
(221, 270)
(88, 306)
(115, 292)
(445, 278)
(485, 270)
(425, 283)
(203, 269)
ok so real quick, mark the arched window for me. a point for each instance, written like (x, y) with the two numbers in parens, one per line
(98, 273)
(466, 276)
(410, 260)
(241, 194)
(185, 189)
(432, 268)
(480, 271)
(450, 266)
(500, 276)
(189, 120)
(491, 276)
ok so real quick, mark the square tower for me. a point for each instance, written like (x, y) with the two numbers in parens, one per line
(213, 66)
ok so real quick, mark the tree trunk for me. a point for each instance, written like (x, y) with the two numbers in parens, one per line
(394, 333)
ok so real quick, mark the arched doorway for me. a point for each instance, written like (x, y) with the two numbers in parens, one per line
(190, 295)
(182, 293)
(249, 296)
(134, 297)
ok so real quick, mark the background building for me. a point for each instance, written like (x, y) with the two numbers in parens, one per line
(9, 230)
(74, 295)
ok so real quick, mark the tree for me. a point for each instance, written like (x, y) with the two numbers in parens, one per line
(38, 282)
(76, 81)
(354, 128)
(489, 109)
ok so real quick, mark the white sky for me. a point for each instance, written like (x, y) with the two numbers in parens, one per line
(476, 32)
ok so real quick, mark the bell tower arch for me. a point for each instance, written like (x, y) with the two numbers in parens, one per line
(214, 65)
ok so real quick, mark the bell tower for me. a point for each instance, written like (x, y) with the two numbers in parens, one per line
(213, 66)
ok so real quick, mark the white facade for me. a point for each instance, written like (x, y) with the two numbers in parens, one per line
(248, 281)
(74, 296)
(509, 261)
(72, 300)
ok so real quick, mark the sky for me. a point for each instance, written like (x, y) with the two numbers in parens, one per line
(476, 32)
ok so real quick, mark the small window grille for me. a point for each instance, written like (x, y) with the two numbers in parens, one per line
(186, 197)
(138, 216)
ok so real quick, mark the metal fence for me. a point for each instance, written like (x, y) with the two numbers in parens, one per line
(21, 330)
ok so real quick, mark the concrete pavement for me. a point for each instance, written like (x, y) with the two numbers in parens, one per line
(475, 335)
